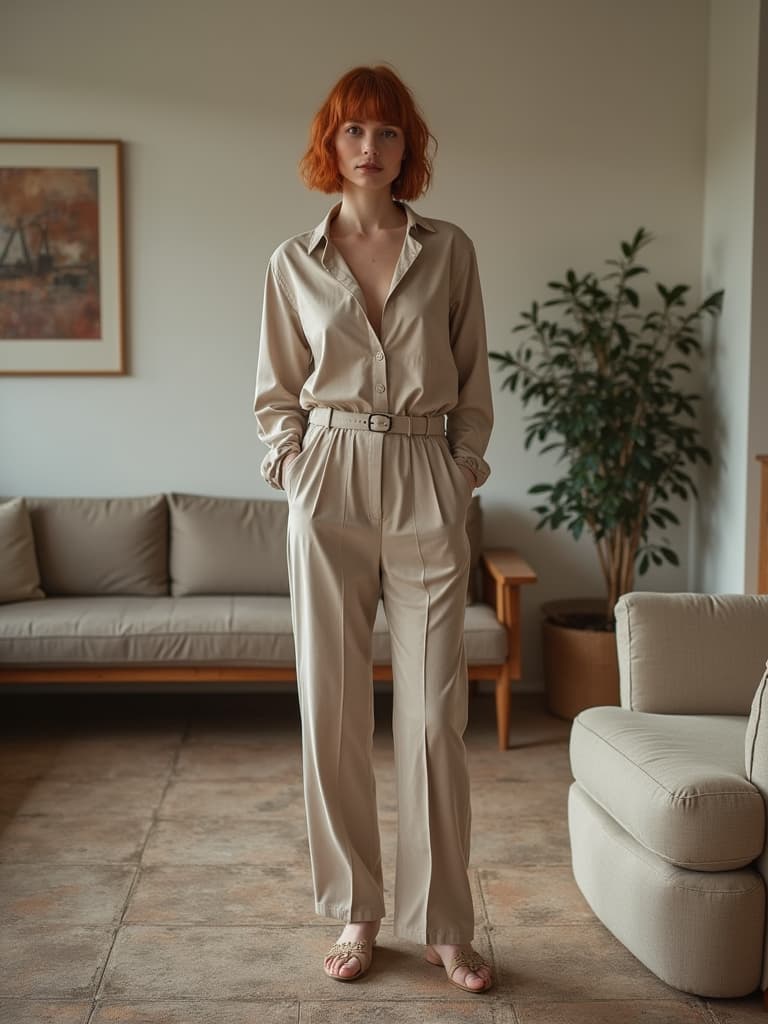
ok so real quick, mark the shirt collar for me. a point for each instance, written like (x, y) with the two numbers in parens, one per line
(322, 229)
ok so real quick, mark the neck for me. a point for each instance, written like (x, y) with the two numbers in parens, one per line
(364, 212)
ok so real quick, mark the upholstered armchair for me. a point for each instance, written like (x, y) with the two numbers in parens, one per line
(666, 814)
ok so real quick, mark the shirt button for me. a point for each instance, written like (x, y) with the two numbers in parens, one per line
(379, 355)
(380, 387)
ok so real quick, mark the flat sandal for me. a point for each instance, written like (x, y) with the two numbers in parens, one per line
(361, 950)
(471, 960)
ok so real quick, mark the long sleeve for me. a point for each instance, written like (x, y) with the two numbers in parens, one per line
(283, 366)
(470, 423)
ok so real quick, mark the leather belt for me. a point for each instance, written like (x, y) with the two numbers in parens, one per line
(379, 422)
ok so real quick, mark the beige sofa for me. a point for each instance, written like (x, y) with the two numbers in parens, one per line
(667, 814)
(182, 587)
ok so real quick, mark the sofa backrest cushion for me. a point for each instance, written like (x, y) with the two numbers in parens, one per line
(691, 653)
(92, 546)
(19, 572)
(223, 545)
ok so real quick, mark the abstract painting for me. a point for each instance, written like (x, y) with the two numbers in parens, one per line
(61, 240)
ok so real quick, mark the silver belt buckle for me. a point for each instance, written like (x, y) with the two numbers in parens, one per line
(380, 415)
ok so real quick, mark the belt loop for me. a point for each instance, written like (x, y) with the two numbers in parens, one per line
(327, 415)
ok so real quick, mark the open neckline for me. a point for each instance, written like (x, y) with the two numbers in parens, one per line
(358, 288)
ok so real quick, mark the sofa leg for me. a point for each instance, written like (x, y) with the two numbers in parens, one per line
(765, 998)
(503, 709)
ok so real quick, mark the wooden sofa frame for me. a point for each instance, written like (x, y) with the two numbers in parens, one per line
(504, 571)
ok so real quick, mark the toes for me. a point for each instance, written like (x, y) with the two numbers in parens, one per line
(482, 974)
(332, 963)
(474, 979)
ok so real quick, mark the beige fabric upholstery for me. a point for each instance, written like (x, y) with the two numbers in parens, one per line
(668, 814)
(201, 630)
(698, 931)
(227, 545)
(94, 546)
(691, 653)
(756, 766)
(19, 573)
(676, 783)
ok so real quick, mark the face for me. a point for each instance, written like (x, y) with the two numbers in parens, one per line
(369, 153)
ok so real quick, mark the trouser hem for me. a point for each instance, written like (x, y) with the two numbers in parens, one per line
(441, 936)
(347, 914)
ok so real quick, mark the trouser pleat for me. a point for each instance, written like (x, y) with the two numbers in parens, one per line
(373, 515)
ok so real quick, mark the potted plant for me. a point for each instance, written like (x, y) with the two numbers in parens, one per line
(607, 384)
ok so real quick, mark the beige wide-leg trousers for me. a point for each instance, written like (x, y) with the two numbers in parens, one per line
(373, 514)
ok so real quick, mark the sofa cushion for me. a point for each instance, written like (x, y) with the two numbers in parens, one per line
(201, 630)
(94, 546)
(228, 545)
(222, 545)
(19, 573)
(676, 783)
(691, 653)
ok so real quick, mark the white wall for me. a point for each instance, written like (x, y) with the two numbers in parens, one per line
(733, 201)
(757, 434)
(563, 126)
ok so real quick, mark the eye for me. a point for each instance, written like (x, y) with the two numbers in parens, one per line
(353, 128)
(390, 133)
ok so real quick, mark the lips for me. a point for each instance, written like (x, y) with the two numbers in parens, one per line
(368, 167)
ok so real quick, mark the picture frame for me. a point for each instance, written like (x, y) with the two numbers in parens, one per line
(62, 294)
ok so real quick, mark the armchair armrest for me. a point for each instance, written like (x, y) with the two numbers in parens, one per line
(690, 653)
(504, 570)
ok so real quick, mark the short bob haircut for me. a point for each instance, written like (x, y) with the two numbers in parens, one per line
(376, 94)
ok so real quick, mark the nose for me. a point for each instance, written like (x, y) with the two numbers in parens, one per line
(369, 146)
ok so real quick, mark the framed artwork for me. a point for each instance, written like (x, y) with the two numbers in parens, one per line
(61, 257)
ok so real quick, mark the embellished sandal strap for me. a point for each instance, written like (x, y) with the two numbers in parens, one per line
(472, 960)
(342, 947)
(349, 949)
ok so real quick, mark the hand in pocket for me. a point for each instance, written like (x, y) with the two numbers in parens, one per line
(469, 476)
(286, 463)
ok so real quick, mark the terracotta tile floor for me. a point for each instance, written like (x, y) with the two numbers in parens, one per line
(154, 870)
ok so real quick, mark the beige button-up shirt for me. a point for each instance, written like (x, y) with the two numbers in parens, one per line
(318, 347)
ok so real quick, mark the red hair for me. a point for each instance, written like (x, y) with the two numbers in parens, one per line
(376, 94)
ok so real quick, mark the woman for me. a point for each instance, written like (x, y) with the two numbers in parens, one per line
(373, 395)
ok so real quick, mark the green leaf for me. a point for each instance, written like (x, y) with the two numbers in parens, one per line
(597, 375)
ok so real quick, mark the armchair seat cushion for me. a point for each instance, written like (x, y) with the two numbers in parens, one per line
(676, 783)
(217, 630)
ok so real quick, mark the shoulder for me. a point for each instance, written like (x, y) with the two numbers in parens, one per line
(448, 230)
(291, 264)
(290, 250)
(448, 241)
(451, 246)
(440, 230)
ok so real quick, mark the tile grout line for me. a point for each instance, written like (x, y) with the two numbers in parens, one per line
(96, 998)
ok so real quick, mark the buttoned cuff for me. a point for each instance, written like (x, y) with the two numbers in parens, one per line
(272, 463)
(479, 467)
